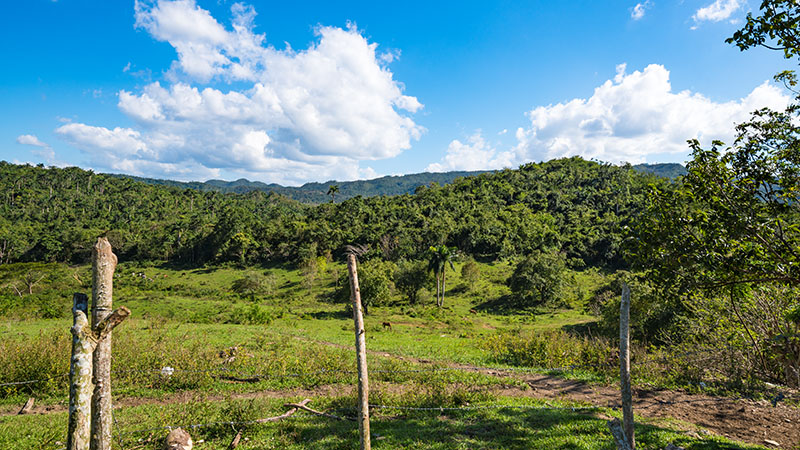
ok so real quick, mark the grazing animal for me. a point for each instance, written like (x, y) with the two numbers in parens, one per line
(387, 325)
(178, 439)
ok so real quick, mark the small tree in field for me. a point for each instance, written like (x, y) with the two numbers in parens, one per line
(538, 278)
(470, 272)
(410, 277)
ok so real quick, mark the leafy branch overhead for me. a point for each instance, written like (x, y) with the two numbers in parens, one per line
(777, 23)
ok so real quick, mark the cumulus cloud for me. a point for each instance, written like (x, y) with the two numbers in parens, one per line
(475, 154)
(635, 115)
(717, 11)
(640, 9)
(30, 139)
(232, 102)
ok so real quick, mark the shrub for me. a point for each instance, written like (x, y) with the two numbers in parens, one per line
(252, 315)
(470, 273)
(538, 278)
(410, 277)
(374, 281)
(551, 349)
(249, 285)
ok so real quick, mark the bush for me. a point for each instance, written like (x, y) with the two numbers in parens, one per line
(252, 315)
(744, 336)
(250, 285)
(551, 349)
(410, 277)
(470, 273)
(375, 283)
(652, 315)
(538, 278)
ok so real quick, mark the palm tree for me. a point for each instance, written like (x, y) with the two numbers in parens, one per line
(438, 258)
(332, 190)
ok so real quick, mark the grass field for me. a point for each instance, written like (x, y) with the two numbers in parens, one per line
(298, 342)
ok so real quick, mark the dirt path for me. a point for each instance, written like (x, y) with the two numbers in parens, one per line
(738, 419)
(331, 390)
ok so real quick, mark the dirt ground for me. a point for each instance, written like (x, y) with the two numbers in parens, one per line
(742, 420)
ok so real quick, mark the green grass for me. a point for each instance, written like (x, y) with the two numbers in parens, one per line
(183, 318)
(489, 428)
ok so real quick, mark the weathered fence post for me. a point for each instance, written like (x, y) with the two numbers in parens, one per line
(361, 350)
(619, 434)
(103, 264)
(80, 376)
(625, 364)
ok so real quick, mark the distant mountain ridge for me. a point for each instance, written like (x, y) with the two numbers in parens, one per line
(388, 185)
(318, 192)
(666, 170)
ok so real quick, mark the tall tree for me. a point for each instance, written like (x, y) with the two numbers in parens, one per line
(438, 260)
(332, 190)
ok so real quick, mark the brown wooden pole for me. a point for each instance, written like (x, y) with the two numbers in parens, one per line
(103, 264)
(620, 439)
(80, 376)
(361, 351)
(625, 363)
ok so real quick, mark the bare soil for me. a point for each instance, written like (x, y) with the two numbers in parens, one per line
(738, 419)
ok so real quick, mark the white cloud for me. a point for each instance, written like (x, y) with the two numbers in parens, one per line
(631, 117)
(640, 9)
(30, 139)
(43, 149)
(232, 102)
(475, 154)
(717, 11)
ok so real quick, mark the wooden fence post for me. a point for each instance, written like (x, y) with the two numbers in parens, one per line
(625, 364)
(80, 376)
(361, 350)
(103, 264)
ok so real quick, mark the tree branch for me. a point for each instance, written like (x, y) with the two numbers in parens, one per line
(108, 323)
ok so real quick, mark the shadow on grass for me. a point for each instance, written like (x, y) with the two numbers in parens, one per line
(503, 305)
(338, 314)
(507, 305)
(588, 329)
(491, 429)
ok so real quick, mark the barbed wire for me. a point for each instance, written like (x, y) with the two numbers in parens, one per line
(263, 376)
(479, 407)
(41, 380)
(404, 408)
(197, 425)
(167, 371)
(228, 371)
(17, 383)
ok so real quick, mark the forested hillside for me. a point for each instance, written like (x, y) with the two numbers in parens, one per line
(572, 205)
(315, 193)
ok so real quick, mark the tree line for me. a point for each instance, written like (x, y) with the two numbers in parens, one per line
(576, 207)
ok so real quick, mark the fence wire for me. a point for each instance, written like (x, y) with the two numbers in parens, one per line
(404, 408)
(262, 376)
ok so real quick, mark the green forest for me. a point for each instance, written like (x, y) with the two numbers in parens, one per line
(570, 206)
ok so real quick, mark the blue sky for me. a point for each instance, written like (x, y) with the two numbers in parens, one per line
(200, 89)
